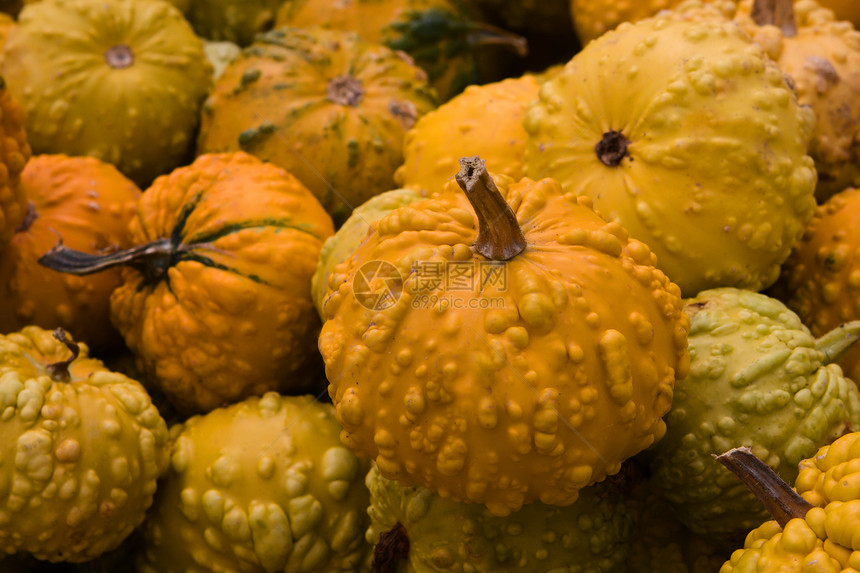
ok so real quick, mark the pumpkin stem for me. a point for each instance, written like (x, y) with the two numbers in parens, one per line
(499, 234)
(838, 341)
(152, 259)
(612, 148)
(392, 547)
(30, 216)
(119, 56)
(59, 371)
(779, 13)
(345, 90)
(783, 503)
(483, 34)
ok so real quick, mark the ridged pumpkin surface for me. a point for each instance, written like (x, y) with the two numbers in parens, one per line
(484, 120)
(326, 106)
(14, 153)
(500, 393)
(120, 81)
(820, 281)
(660, 123)
(823, 60)
(260, 486)
(88, 203)
(84, 446)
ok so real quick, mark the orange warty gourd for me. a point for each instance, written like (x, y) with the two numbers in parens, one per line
(215, 297)
(326, 106)
(485, 359)
(89, 203)
(14, 153)
(488, 119)
(820, 281)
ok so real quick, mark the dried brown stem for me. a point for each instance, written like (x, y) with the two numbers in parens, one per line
(779, 13)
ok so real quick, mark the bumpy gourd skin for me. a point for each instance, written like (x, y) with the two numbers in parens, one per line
(123, 85)
(715, 178)
(260, 486)
(326, 106)
(504, 395)
(820, 281)
(81, 458)
(88, 203)
(591, 18)
(823, 60)
(591, 535)
(350, 235)
(14, 154)
(484, 120)
(231, 315)
(825, 540)
(756, 379)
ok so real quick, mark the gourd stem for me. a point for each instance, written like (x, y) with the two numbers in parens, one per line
(59, 371)
(838, 341)
(483, 34)
(152, 259)
(612, 148)
(392, 547)
(779, 13)
(29, 217)
(783, 503)
(499, 235)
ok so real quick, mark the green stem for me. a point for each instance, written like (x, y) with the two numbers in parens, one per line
(838, 341)
(500, 237)
(781, 501)
(483, 34)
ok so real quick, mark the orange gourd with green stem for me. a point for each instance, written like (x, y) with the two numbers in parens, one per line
(215, 297)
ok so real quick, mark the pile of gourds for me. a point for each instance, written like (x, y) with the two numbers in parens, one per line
(429, 285)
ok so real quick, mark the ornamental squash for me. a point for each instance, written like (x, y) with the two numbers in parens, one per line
(485, 359)
(14, 154)
(484, 119)
(758, 379)
(814, 525)
(592, 19)
(822, 56)
(236, 21)
(440, 35)
(215, 295)
(844, 10)
(121, 81)
(442, 535)
(89, 203)
(326, 106)
(260, 486)
(820, 281)
(83, 448)
(704, 158)
(351, 234)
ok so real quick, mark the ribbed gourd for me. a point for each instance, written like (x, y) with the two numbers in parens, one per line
(661, 124)
(443, 535)
(350, 235)
(215, 296)
(822, 57)
(325, 105)
(82, 449)
(90, 204)
(485, 358)
(484, 119)
(820, 281)
(757, 379)
(121, 81)
(441, 36)
(14, 154)
(260, 486)
(814, 525)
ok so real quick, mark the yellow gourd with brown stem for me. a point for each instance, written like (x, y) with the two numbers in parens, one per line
(215, 297)
(485, 358)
